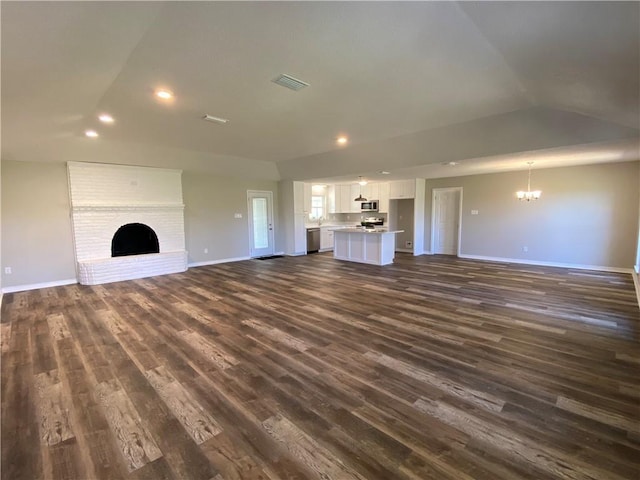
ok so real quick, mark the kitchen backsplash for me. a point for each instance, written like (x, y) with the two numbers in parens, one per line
(350, 217)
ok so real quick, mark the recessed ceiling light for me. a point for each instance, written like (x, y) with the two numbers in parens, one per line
(164, 94)
(91, 133)
(342, 140)
(384, 172)
(451, 164)
(105, 118)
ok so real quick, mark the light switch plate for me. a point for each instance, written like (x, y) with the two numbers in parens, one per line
(474, 212)
(237, 215)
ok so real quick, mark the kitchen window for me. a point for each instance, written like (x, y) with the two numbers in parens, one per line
(317, 206)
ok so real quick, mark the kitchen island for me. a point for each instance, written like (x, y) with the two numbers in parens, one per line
(374, 246)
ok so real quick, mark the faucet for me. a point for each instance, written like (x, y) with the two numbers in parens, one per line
(319, 221)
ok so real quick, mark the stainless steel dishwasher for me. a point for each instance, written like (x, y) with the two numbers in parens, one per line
(313, 240)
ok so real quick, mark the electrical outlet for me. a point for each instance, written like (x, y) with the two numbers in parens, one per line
(7, 270)
(206, 250)
(525, 249)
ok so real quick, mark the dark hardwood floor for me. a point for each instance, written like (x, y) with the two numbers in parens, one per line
(307, 367)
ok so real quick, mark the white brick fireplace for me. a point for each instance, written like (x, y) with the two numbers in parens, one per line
(107, 197)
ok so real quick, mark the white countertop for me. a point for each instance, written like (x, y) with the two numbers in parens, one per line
(379, 231)
(330, 225)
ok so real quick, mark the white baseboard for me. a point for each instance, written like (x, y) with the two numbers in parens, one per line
(215, 262)
(404, 250)
(36, 286)
(548, 264)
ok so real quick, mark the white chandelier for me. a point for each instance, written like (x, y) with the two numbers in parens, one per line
(529, 194)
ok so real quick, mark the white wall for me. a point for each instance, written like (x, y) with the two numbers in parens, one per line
(587, 216)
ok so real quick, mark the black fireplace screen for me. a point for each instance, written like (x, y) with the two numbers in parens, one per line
(134, 239)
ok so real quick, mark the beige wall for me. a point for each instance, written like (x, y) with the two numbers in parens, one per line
(404, 221)
(587, 215)
(210, 204)
(637, 266)
(37, 240)
(36, 226)
(1, 267)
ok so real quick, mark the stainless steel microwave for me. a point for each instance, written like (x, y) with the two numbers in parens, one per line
(370, 206)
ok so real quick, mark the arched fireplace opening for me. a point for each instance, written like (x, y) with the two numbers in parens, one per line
(134, 239)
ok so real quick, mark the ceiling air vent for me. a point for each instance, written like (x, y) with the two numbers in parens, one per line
(290, 82)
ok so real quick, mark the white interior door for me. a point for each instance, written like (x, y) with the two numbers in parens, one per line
(261, 223)
(446, 220)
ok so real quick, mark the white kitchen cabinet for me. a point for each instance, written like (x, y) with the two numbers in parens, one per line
(293, 217)
(300, 234)
(307, 198)
(356, 245)
(298, 197)
(326, 238)
(331, 199)
(341, 196)
(402, 189)
(366, 191)
(383, 197)
(346, 200)
(354, 207)
(372, 191)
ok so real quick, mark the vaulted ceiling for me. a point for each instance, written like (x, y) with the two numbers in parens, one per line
(414, 85)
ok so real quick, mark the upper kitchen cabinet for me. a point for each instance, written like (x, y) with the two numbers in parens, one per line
(402, 189)
(354, 207)
(371, 191)
(344, 195)
(298, 198)
(340, 198)
(307, 198)
(331, 199)
(341, 192)
(383, 197)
